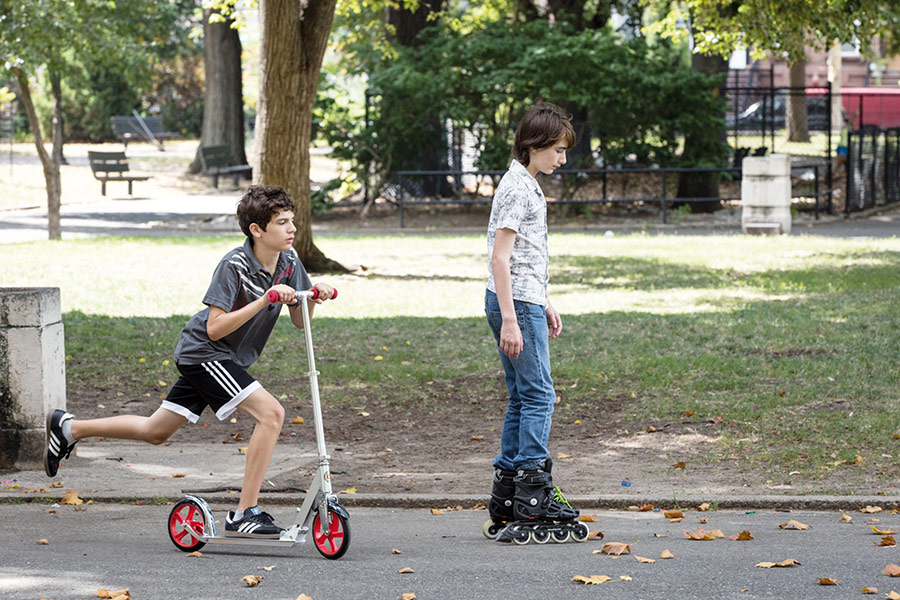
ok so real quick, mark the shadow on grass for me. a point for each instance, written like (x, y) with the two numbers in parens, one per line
(870, 269)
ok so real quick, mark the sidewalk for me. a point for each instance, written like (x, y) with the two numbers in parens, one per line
(127, 472)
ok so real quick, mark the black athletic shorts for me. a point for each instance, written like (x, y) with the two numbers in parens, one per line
(219, 384)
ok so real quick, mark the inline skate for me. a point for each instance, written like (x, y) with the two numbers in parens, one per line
(500, 507)
(541, 511)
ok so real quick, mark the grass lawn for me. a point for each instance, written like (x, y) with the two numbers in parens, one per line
(789, 344)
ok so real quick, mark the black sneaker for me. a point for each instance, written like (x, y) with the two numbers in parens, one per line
(254, 524)
(58, 447)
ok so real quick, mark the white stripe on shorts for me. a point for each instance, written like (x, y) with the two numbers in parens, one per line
(223, 377)
(224, 412)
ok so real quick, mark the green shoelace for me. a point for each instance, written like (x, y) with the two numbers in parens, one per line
(559, 497)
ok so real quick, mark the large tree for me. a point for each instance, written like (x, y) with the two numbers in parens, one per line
(223, 99)
(293, 39)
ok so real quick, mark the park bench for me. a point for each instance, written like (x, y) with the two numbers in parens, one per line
(215, 161)
(112, 166)
(140, 128)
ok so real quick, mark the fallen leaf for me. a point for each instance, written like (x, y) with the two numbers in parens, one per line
(846, 518)
(891, 570)
(703, 535)
(56, 484)
(793, 525)
(616, 548)
(869, 590)
(893, 595)
(743, 536)
(303, 597)
(363, 413)
(870, 509)
(887, 540)
(624, 577)
(175, 475)
(828, 581)
(297, 421)
(588, 518)
(562, 455)
(666, 555)
(195, 554)
(43, 542)
(595, 535)
(673, 514)
(788, 562)
(104, 593)
(592, 580)
(480, 438)
(406, 596)
(676, 520)
(437, 511)
(252, 580)
(679, 465)
(242, 450)
(642, 559)
(395, 551)
(703, 507)
(704, 521)
(405, 570)
(269, 568)
(647, 507)
(71, 498)
(883, 532)
(349, 490)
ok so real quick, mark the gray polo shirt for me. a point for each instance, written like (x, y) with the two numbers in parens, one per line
(519, 204)
(239, 280)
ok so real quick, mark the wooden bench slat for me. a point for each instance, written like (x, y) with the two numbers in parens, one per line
(216, 160)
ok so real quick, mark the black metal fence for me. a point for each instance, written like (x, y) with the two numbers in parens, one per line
(649, 188)
(873, 168)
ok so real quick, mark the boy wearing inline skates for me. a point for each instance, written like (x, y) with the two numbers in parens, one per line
(216, 347)
(522, 319)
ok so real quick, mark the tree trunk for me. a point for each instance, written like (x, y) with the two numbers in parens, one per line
(701, 185)
(795, 112)
(50, 162)
(223, 103)
(293, 41)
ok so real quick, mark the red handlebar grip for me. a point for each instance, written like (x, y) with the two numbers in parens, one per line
(272, 296)
(334, 295)
(315, 293)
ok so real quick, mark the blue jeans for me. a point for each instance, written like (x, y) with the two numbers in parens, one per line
(526, 429)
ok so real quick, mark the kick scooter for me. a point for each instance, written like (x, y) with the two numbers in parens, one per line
(191, 524)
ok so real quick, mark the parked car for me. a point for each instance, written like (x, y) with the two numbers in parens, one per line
(764, 115)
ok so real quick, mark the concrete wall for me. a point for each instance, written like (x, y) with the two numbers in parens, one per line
(32, 372)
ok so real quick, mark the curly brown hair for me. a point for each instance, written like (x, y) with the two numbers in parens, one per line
(542, 126)
(259, 204)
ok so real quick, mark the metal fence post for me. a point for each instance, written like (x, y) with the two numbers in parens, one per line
(663, 199)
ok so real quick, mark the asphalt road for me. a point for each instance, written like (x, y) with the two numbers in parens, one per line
(126, 546)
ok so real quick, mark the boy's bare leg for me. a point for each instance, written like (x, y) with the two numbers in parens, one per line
(154, 429)
(269, 416)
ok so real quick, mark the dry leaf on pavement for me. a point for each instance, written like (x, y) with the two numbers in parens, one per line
(845, 518)
(71, 498)
(408, 596)
(666, 555)
(869, 590)
(595, 535)
(588, 518)
(883, 532)
(828, 581)
(395, 551)
(870, 509)
(892, 570)
(104, 593)
(792, 524)
(592, 580)
(703, 507)
(743, 536)
(642, 559)
(303, 597)
(893, 596)
(887, 540)
(616, 548)
(703, 535)
(673, 514)
(42, 542)
(252, 580)
(405, 570)
(788, 562)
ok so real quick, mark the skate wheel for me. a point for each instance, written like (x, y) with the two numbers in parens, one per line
(491, 530)
(540, 536)
(186, 525)
(580, 532)
(560, 536)
(335, 542)
(522, 539)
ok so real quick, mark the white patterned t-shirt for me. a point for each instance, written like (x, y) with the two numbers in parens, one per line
(519, 204)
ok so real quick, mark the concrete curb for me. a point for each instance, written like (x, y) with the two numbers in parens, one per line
(470, 501)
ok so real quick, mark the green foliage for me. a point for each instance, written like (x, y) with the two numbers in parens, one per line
(641, 99)
(782, 26)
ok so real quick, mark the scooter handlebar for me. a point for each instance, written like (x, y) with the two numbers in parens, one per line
(272, 295)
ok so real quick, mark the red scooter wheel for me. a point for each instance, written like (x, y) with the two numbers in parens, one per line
(186, 525)
(335, 543)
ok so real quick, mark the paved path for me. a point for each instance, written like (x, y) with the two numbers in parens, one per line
(127, 546)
